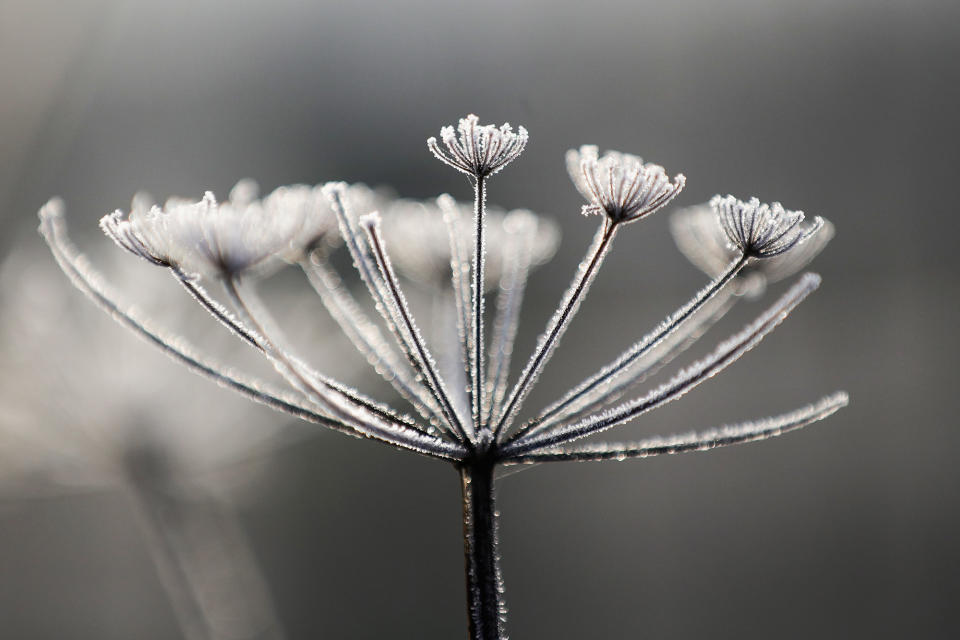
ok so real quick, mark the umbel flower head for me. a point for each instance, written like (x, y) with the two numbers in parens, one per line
(699, 235)
(470, 417)
(224, 238)
(762, 230)
(479, 150)
(620, 185)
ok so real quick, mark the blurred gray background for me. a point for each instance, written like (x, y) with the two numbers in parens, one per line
(849, 110)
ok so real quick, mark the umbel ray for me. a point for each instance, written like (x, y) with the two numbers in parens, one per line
(467, 415)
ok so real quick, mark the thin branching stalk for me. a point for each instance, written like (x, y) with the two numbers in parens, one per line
(366, 337)
(255, 314)
(724, 355)
(476, 316)
(558, 324)
(740, 433)
(331, 397)
(635, 352)
(651, 362)
(85, 278)
(386, 296)
(371, 224)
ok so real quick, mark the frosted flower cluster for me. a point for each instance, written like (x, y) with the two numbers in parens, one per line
(620, 185)
(699, 235)
(224, 238)
(762, 230)
(466, 404)
(479, 150)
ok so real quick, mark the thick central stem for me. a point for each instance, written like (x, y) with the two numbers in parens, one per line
(484, 585)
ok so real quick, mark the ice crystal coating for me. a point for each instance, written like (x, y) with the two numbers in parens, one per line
(700, 237)
(762, 230)
(479, 150)
(620, 185)
(228, 238)
(747, 431)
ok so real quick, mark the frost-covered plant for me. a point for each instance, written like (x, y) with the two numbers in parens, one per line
(83, 410)
(705, 241)
(471, 424)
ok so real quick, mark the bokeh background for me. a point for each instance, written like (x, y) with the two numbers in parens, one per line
(848, 109)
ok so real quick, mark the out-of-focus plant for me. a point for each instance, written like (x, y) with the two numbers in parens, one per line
(467, 416)
(83, 408)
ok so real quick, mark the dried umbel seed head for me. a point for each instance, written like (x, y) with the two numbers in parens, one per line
(620, 185)
(762, 230)
(699, 236)
(224, 239)
(479, 150)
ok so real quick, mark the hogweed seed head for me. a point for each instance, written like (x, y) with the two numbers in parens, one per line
(701, 238)
(620, 185)
(762, 230)
(224, 239)
(479, 150)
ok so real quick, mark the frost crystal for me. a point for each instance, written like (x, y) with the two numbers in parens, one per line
(619, 184)
(479, 150)
(762, 230)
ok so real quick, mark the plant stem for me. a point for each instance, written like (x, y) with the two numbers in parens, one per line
(484, 585)
(480, 197)
(557, 325)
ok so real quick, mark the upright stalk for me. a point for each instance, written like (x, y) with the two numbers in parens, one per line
(479, 202)
(484, 584)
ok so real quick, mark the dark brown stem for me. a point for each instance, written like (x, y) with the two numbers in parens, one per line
(484, 585)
